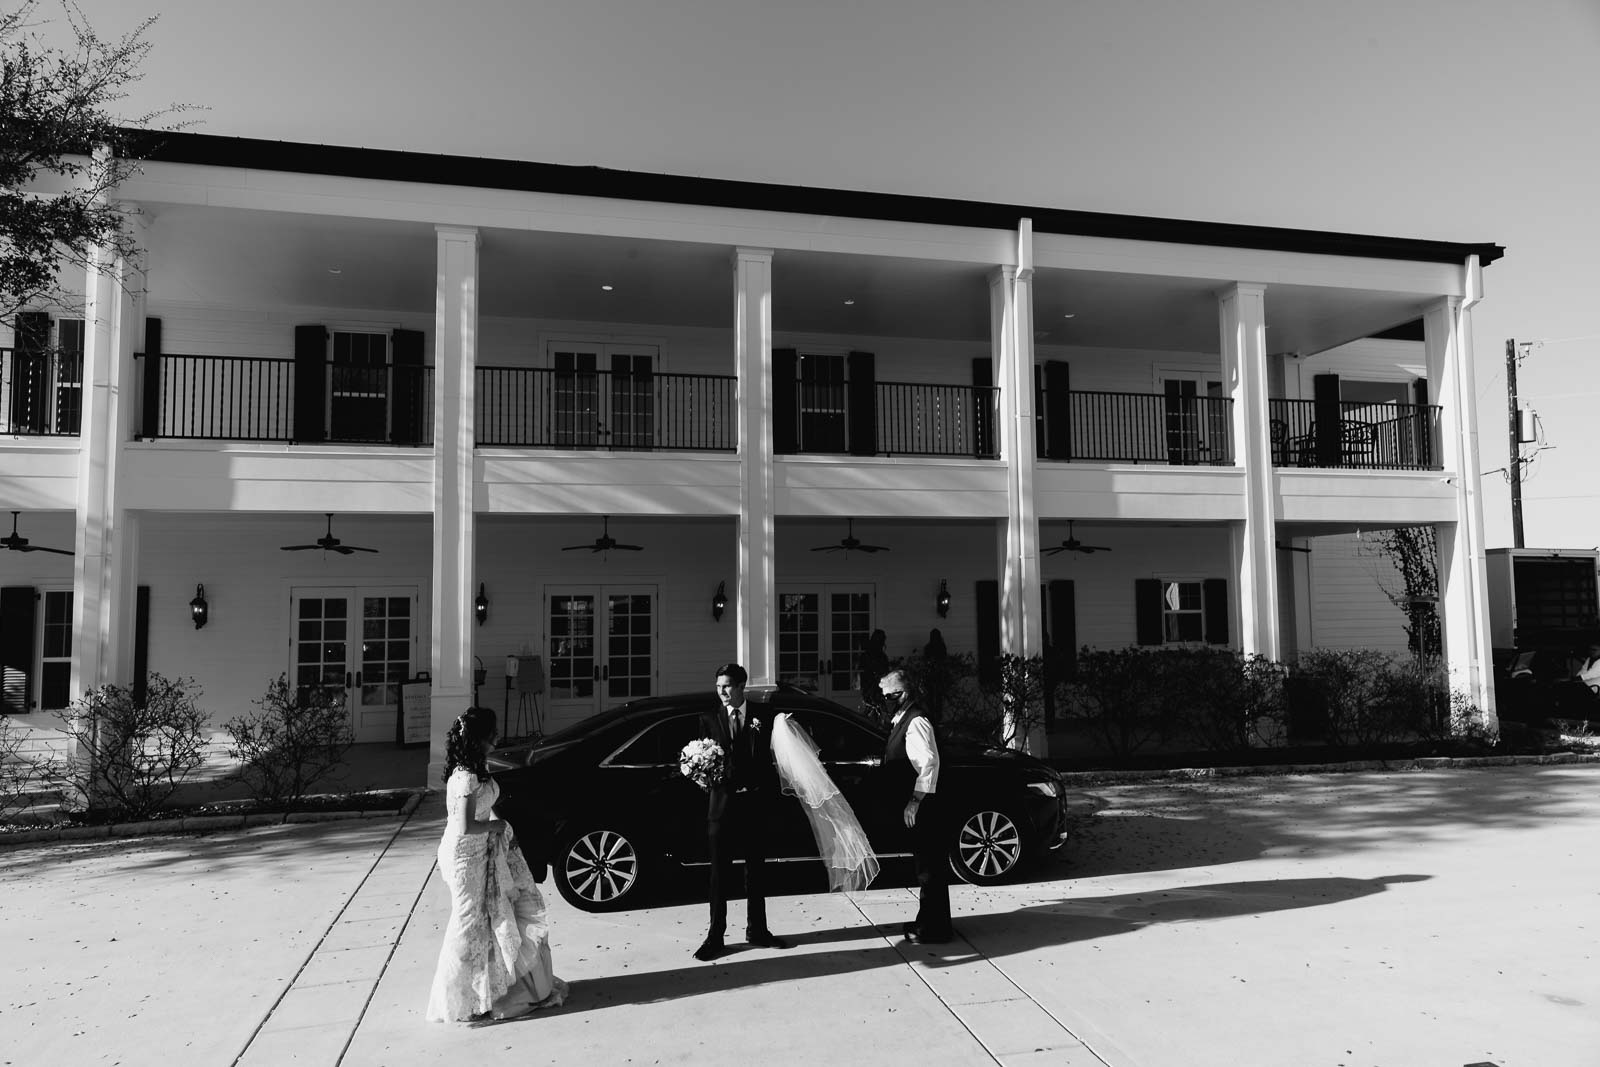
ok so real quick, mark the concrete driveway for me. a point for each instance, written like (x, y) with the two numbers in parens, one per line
(1420, 919)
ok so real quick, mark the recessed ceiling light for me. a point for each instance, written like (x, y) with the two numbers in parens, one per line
(848, 302)
(1070, 315)
(607, 288)
(335, 270)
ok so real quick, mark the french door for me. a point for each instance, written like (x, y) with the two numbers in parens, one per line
(603, 396)
(822, 404)
(359, 645)
(822, 630)
(1195, 425)
(358, 402)
(601, 648)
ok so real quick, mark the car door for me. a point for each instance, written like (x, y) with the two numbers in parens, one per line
(852, 754)
(641, 781)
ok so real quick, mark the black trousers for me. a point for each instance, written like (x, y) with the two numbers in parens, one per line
(930, 845)
(740, 833)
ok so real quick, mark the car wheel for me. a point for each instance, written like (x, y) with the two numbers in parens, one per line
(987, 847)
(599, 869)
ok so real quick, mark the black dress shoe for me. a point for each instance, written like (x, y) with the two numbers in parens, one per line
(908, 930)
(917, 937)
(766, 939)
(709, 949)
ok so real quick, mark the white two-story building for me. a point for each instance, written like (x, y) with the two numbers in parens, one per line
(479, 367)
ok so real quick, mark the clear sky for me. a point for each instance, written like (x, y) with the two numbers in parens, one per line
(1459, 120)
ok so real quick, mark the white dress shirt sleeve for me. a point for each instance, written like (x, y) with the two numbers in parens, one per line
(923, 752)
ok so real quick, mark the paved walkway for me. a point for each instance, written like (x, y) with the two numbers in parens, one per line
(1407, 920)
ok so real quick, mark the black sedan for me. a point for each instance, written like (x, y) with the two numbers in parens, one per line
(605, 806)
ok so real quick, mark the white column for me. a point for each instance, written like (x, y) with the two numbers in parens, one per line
(1242, 321)
(1463, 578)
(455, 347)
(755, 603)
(104, 565)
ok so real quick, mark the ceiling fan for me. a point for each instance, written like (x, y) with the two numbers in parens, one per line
(329, 543)
(1072, 544)
(849, 543)
(605, 542)
(17, 543)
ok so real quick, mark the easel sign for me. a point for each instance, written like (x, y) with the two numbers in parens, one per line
(526, 675)
(416, 712)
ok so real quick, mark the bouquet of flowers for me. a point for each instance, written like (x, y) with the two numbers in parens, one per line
(702, 761)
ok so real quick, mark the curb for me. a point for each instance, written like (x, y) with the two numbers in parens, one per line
(1420, 763)
(199, 823)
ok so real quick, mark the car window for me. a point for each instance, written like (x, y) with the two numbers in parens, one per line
(839, 740)
(659, 744)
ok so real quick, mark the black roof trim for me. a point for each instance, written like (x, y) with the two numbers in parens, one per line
(378, 163)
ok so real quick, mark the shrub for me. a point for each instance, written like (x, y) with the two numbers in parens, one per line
(1361, 697)
(1020, 694)
(22, 778)
(297, 738)
(1119, 695)
(1220, 699)
(131, 756)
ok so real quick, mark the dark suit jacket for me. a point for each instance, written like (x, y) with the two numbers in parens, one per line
(750, 768)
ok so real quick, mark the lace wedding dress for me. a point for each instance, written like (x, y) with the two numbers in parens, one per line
(496, 953)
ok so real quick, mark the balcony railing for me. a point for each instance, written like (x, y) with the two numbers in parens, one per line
(1103, 427)
(902, 419)
(41, 394)
(246, 398)
(1351, 434)
(545, 408)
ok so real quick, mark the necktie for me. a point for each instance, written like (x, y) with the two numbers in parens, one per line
(736, 720)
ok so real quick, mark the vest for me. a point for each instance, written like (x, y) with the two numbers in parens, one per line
(895, 760)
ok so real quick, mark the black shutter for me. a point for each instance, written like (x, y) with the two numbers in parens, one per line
(983, 407)
(406, 419)
(987, 602)
(863, 404)
(1423, 423)
(141, 644)
(150, 417)
(1058, 409)
(30, 372)
(1147, 611)
(18, 604)
(785, 402)
(1325, 409)
(1215, 593)
(1062, 598)
(310, 383)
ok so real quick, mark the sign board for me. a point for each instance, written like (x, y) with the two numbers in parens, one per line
(416, 713)
(530, 674)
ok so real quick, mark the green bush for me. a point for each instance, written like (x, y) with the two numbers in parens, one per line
(1361, 697)
(131, 756)
(1120, 697)
(1219, 699)
(297, 738)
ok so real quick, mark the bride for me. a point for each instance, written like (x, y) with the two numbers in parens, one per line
(495, 960)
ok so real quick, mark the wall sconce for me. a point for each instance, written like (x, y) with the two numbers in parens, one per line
(480, 605)
(941, 603)
(199, 610)
(719, 601)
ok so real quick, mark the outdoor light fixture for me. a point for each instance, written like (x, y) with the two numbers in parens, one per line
(941, 603)
(480, 605)
(199, 610)
(719, 602)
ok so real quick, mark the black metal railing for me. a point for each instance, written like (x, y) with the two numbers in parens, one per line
(41, 393)
(543, 408)
(249, 398)
(1353, 435)
(1107, 427)
(913, 419)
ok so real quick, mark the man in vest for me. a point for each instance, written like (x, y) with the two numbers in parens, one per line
(912, 755)
(739, 810)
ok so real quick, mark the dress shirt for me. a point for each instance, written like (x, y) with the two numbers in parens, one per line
(1589, 675)
(922, 750)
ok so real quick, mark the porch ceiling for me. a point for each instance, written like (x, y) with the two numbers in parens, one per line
(212, 256)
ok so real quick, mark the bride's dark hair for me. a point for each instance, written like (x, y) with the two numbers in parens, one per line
(463, 745)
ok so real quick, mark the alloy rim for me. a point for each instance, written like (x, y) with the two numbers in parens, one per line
(602, 866)
(989, 844)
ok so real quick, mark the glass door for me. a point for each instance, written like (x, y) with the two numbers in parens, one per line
(601, 648)
(576, 413)
(822, 631)
(357, 645)
(358, 402)
(822, 404)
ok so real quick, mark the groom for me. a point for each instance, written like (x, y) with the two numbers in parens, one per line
(739, 810)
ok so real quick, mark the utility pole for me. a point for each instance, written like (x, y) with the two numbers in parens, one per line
(1514, 464)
